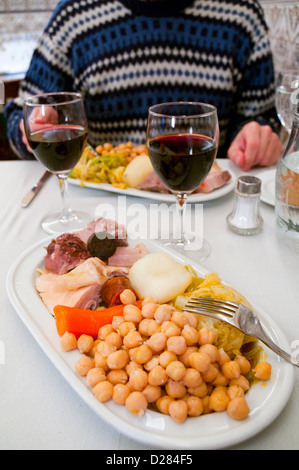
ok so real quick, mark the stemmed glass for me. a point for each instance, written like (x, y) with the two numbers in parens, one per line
(182, 141)
(286, 88)
(56, 129)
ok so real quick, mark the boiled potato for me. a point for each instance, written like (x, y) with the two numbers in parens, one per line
(158, 275)
(137, 170)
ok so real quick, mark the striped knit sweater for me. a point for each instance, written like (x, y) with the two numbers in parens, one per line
(125, 55)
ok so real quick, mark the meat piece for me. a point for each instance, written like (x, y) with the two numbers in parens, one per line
(154, 184)
(215, 179)
(87, 297)
(112, 289)
(127, 256)
(65, 253)
(118, 231)
(91, 271)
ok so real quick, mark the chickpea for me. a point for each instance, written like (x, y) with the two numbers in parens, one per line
(222, 357)
(200, 361)
(169, 328)
(218, 400)
(152, 393)
(120, 393)
(166, 357)
(148, 300)
(206, 405)
(234, 391)
(136, 403)
(105, 348)
(180, 319)
(206, 336)
(117, 376)
(133, 339)
(103, 391)
(238, 408)
(163, 404)
(220, 380)
(116, 322)
(192, 319)
(118, 359)
(83, 365)
(68, 342)
(163, 313)
(263, 371)
(105, 331)
(231, 370)
(210, 374)
(192, 378)
(176, 370)
(244, 364)
(185, 357)
(100, 361)
(94, 347)
(142, 354)
(148, 327)
(190, 334)
(138, 380)
(157, 342)
(241, 382)
(85, 344)
(115, 339)
(195, 406)
(94, 376)
(132, 313)
(211, 350)
(157, 376)
(175, 389)
(127, 297)
(125, 327)
(132, 365)
(154, 361)
(200, 391)
(148, 310)
(178, 410)
(177, 345)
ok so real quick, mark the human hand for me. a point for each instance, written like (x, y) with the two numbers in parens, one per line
(40, 118)
(255, 145)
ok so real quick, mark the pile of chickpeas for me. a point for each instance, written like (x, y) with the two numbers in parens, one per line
(126, 149)
(155, 356)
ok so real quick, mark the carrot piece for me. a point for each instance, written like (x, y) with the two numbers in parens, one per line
(81, 321)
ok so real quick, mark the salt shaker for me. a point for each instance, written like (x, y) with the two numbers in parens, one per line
(245, 218)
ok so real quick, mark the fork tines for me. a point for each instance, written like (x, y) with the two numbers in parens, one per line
(211, 305)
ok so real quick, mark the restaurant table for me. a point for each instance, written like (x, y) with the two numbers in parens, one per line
(39, 410)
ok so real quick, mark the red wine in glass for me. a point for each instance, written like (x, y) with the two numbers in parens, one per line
(182, 161)
(58, 147)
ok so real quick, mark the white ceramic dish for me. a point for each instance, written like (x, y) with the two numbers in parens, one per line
(214, 431)
(193, 198)
(268, 186)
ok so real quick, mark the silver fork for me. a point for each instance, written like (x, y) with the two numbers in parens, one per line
(239, 316)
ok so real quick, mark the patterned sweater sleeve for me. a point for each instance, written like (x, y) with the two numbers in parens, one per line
(50, 70)
(255, 79)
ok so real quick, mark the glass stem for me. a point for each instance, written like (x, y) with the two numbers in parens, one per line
(181, 211)
(66, 213)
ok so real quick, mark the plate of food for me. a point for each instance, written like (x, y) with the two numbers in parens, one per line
(126, 169)
(109, 315)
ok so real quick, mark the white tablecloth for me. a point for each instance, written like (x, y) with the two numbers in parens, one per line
(39, 410)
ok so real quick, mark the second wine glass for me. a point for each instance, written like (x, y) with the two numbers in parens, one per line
(182, 141)
(56, 130)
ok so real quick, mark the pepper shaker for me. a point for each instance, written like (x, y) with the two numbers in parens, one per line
(245, 218)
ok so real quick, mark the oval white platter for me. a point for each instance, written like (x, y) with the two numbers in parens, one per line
(214, 431)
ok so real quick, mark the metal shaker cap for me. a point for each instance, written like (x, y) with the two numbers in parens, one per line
(249, 185)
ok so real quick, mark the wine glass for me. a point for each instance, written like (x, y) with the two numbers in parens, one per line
(286, 88)
(182, 141)
(56, 130)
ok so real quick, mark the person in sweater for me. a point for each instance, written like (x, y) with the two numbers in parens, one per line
(125, 55)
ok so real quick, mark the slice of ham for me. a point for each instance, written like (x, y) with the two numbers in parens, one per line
(65, 253)
(127, 255)
(102, 224)
(214, 180)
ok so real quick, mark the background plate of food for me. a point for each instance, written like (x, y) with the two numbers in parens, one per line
(127, 170)
(38, 267)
